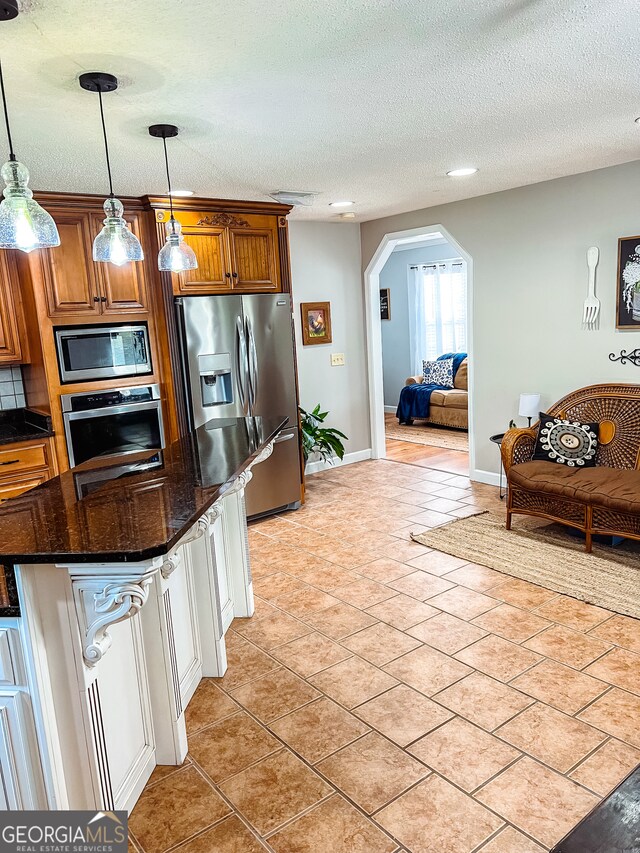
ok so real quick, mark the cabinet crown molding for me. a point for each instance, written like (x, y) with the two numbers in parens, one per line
(216, 205)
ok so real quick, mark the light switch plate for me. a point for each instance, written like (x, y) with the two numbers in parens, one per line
(337, 359)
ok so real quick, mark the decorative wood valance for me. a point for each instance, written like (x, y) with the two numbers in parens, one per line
(226, 220)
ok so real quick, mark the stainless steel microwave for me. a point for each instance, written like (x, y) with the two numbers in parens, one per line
(86, 353)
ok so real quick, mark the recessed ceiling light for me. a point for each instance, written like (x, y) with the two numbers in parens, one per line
(349, 215)
(461, 173)
(341, 203)
(637, 120)
(181, 193)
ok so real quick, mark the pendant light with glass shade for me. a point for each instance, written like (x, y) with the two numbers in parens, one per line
(175, 255)
(24, 224)
(115, 244)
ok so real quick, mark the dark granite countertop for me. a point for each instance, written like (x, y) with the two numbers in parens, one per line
(23, 425)
(134, 507)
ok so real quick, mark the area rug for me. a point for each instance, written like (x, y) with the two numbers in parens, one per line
(548, 556)
(449, 439)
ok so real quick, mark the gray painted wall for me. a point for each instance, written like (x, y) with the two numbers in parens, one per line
(529, 249)
(396, 354)
(325, 265)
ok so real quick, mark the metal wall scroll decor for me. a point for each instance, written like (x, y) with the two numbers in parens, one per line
(633, 356)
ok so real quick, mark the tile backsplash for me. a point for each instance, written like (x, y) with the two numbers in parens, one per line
(11, 388)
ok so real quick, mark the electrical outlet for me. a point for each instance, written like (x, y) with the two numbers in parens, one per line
(337, 359)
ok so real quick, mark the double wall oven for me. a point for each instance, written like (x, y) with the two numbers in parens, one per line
(113, 422)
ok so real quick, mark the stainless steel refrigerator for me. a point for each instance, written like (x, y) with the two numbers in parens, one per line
(238, 360)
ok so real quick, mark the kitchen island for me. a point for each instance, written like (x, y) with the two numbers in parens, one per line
(123, 575)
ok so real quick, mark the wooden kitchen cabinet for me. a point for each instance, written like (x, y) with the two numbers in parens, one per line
(69, 273)
(253, 253)
(24, 465)
(122, 289)
(214, 270)
(14, 486)
(11, 319)
(236, 253)
(75, 285)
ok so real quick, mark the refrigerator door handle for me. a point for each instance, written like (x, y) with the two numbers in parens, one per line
(241, 358)
(252, 361)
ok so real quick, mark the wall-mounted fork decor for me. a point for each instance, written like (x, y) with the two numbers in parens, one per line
(633, 356)
(591, 305)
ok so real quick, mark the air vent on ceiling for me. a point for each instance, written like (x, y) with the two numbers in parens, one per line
(297, 199)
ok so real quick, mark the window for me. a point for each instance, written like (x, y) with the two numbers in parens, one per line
(437, 310)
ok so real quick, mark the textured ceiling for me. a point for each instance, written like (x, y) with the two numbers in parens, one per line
(368, 100)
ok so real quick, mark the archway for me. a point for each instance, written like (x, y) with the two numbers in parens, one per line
(374, 329)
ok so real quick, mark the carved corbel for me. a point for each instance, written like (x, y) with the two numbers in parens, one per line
(100, 604)
(214, 511)
(239, 483)
(169, 566)
(197, 531)
(264, 454)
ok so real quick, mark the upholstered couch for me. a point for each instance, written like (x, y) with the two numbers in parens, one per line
(604, 499)
(449, 408)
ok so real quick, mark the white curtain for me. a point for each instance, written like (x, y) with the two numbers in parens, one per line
(437, 310)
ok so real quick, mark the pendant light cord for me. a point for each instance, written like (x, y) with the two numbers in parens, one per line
(12, 155)
(166, 165)
(106, 144)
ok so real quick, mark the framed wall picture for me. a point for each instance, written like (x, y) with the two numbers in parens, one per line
(628, 284)
(385, 303)
(316, 323)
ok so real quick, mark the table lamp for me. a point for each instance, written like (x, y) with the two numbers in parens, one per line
(529, 406)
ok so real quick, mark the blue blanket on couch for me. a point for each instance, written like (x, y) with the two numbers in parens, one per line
(415, 400)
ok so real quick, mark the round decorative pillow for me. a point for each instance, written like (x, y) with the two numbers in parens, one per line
(567, 442)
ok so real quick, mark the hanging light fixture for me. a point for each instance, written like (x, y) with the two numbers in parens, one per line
(24, 224)
(115, 244)
(8, 9)
(175, 255)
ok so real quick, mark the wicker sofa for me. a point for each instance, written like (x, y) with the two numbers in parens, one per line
(600, 500)
(448, 408)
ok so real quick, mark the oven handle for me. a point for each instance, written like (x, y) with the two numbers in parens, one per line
(112, 410)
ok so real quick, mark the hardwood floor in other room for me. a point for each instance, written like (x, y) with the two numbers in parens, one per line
(454, 461)
(386, 697)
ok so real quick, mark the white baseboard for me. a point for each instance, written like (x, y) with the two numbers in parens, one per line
(349, 459)
(391, 409)
(488, 477)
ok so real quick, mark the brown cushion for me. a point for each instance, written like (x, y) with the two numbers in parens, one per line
(453, 399)
(462, 377)
(614, 488)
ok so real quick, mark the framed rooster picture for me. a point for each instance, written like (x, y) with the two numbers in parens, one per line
(316, 323)
(628, 296)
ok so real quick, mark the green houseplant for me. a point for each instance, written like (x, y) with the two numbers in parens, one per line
(316, 438)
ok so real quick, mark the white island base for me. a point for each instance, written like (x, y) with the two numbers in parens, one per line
(96, 674)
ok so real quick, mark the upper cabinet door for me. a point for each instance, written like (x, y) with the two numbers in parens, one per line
(213, 273)
(122, 289)
(10, 349)
(254, 253)
(71, 285)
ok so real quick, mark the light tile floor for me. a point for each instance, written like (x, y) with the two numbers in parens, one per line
(386, 697)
